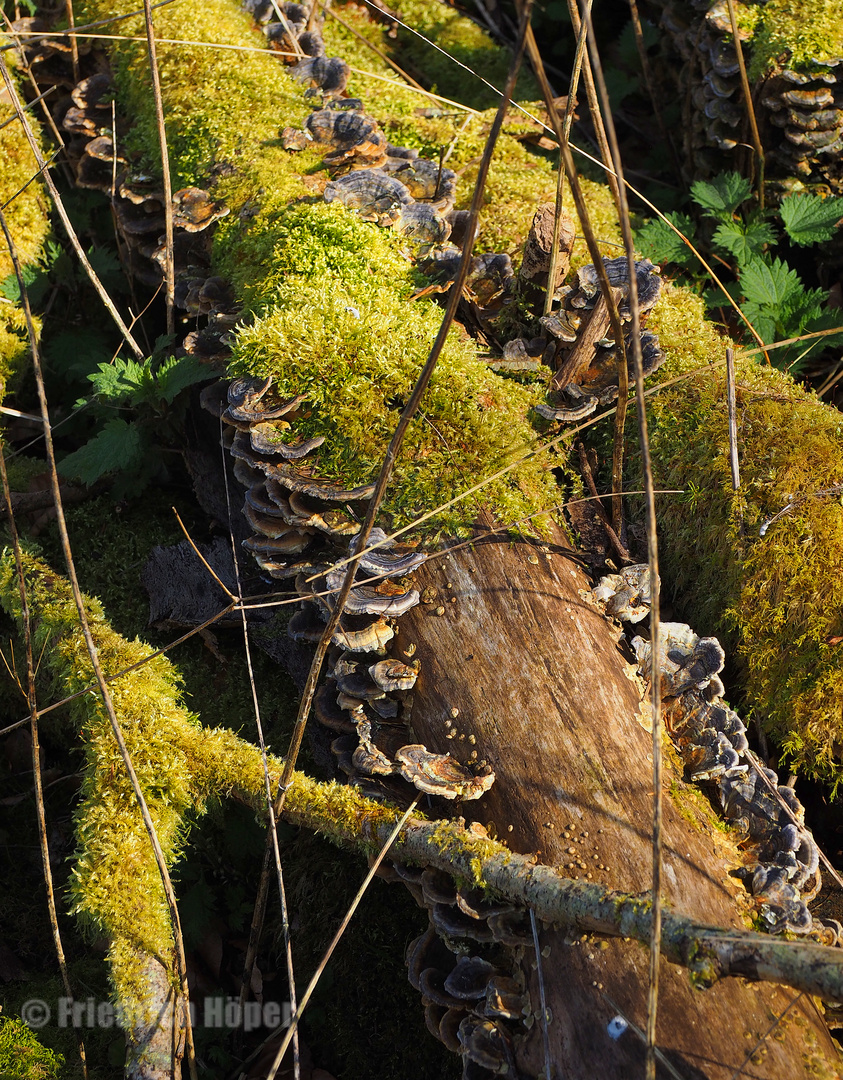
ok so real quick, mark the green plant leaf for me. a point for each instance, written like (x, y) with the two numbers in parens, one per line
(810, 219)
(175, 375)
(769, 283)
(75, 351)
(35, 281)
(119, 446)
(743, 240)
(660, 243)
(721, 196)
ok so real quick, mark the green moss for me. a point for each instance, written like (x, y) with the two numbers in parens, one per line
(801, 36)
(22, 1057)
(26, 215)
(775, 600)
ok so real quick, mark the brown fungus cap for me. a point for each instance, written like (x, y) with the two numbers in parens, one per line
(440, 774)
(194, 209)
(469, 978)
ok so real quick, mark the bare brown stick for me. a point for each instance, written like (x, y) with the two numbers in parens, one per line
(567, 123)
(88, 26)
(652, 558)
(641, 46)
(711, 953)
(59, 205)
(371, 45)
(74, 48)
(594, 103)
(169, 265)
(663, 1059)
(29, 104)
(32, 178)
(548, 1068)
(204, 561)
(36, 748)
(408, 413)
(618, 548)
(329, 952)
(606, 290)
(733, 423)
(89, 641)
(271, 848)
(750, 108)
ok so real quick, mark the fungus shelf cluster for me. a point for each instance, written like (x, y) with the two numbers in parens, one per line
(304, 524)
(800, 98)
(711, 738)
(474, 1004)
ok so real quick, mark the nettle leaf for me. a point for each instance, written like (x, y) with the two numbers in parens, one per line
(74, 351)
(721, 196)
(660, 243)
(35, 282)
(810, 219)
(769, 283)
(175, 375)
(743, 240)
(118, 381)
(119, 446)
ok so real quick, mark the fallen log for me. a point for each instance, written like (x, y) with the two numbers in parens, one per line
(553, 706)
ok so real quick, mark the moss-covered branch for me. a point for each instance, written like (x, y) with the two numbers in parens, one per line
(182, 764)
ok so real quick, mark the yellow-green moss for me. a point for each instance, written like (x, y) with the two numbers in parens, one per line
(28, 221)
(775, 600)
(22, 1057)
(302, 266)
(801, 35)
(116, 885)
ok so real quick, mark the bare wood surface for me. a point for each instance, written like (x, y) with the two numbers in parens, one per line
(581, 355)
(537, 679)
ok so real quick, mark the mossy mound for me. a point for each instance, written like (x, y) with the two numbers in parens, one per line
(776, 600)
(307, 270)
(801, 36)
(22, 1057)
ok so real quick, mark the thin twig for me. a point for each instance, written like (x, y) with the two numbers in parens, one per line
(371, 45)
(652, 558)
(733, 421)
(750, 108)
(74, 47)
(89, 640)
(597, 119)
(329, 952)
(600, 269)
(59, 205)
(29, 104)
(548, 1068)
(205, 562)
(169, 255)
(567, 124)
(36, 750)
(282, 18)
(641, 46)
(271, 849)
(36, 37)
(406, 416)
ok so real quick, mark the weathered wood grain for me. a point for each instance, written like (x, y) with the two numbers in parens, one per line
(538, 679)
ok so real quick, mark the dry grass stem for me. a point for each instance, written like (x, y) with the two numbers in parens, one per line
(750, 108)
(548, 1067)
(641, 46)
(733, 422)
(36, 749)
(329, 952)
(169, 264)
(74, 47)
(59, 205)
(371, 45)
(567, 123)
(652, 558)
(750, 1053)
(86, 632)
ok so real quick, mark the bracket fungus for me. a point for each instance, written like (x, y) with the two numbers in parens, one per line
(711, 738)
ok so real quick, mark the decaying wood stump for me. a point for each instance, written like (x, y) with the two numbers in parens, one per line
(523, 664)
